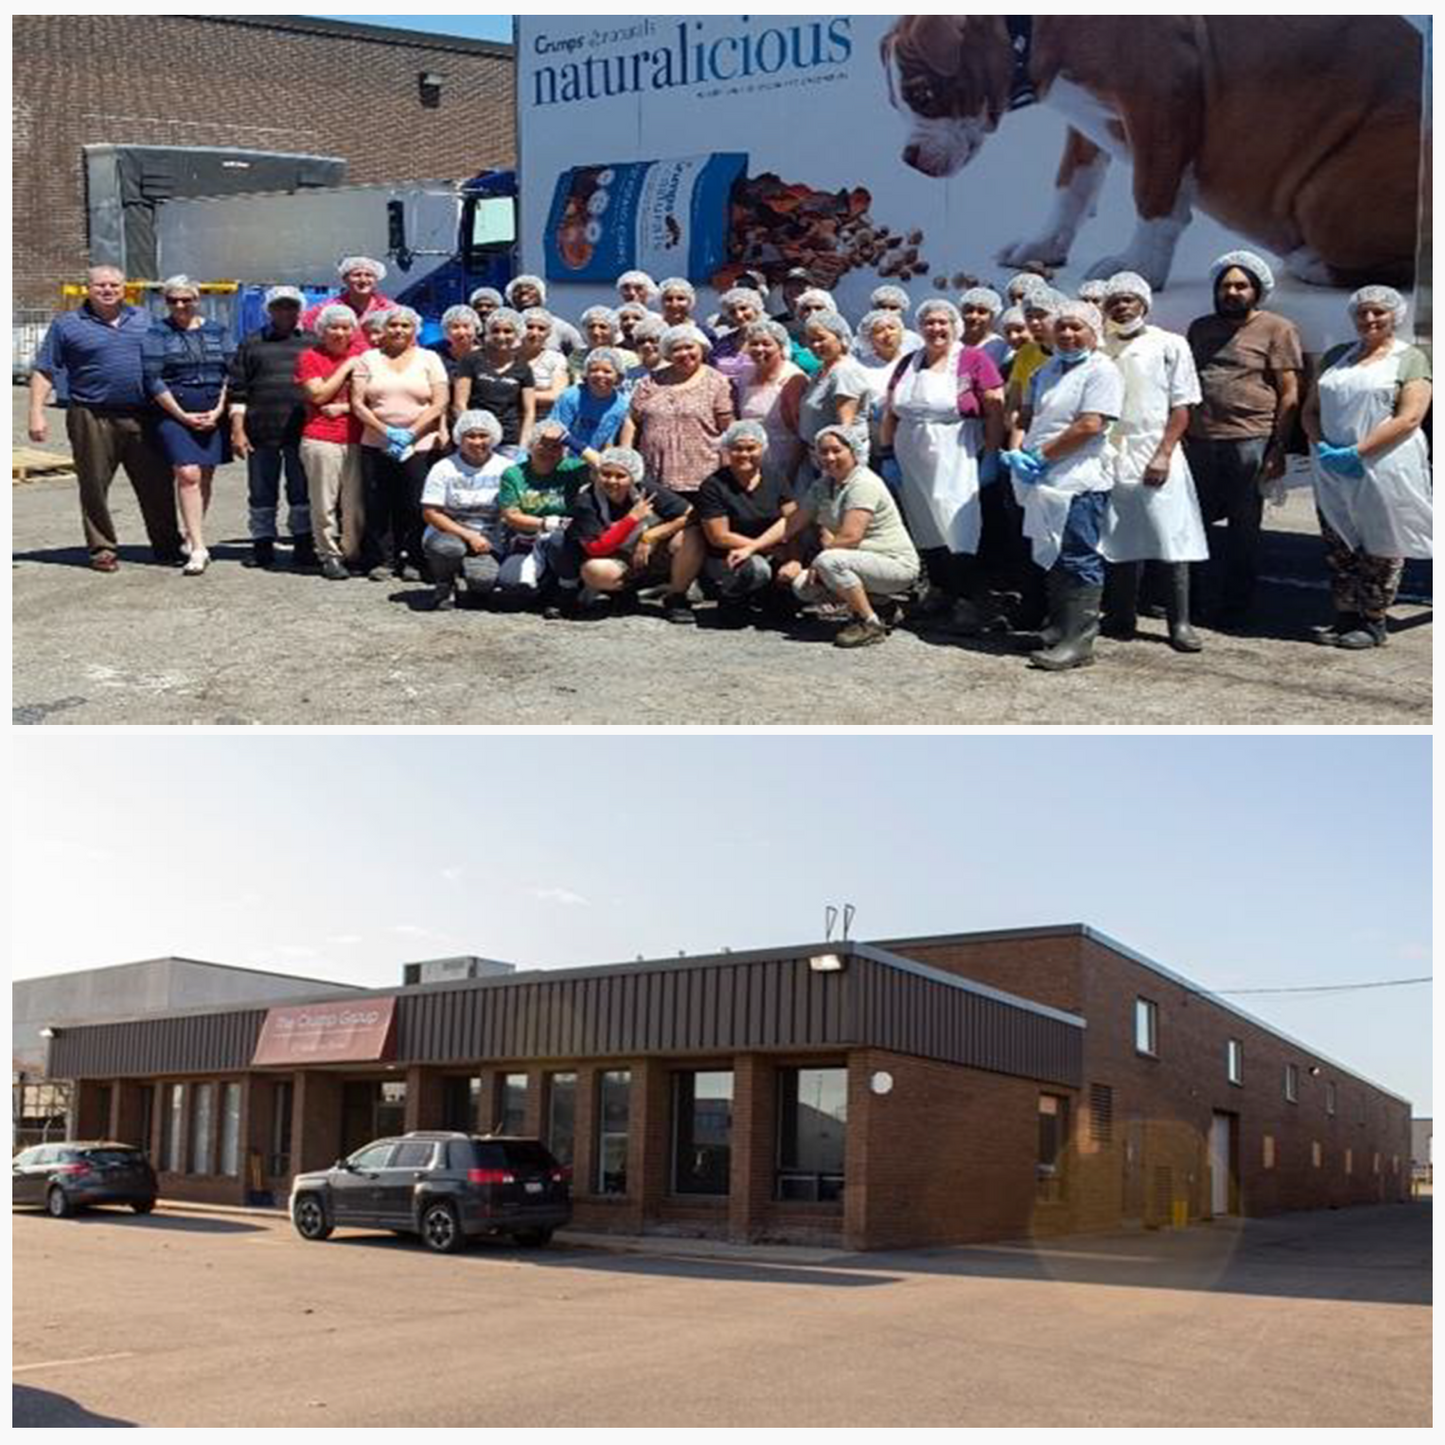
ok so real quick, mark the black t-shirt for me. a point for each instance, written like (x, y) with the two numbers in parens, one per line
(749, 514)
(498, 392)
(593, 515)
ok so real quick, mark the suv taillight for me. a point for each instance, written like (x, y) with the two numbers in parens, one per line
(72, 1169)
(562, 1175)
(490, 1176)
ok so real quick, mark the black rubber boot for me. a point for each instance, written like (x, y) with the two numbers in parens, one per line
(263, 553)
(443, 597)
(1080, 608)
(1370, 633)
(1121, 600)
(1182, 637)
(1050, 631)
(303, 553)
(1344, 623)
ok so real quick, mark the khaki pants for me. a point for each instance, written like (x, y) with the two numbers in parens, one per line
(102, 441)
(333, 484)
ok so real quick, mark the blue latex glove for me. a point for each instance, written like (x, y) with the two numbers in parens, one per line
(988, 467)
(398, 439)
(1027, 466)
(1344, 460)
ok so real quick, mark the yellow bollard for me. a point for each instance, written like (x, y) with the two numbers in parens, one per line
(1180, 1218)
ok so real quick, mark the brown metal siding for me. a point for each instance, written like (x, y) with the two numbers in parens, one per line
(192, 1043)
(908, 1014)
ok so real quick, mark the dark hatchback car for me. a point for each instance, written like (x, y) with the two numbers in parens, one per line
(445, 1187)
(65, 1177)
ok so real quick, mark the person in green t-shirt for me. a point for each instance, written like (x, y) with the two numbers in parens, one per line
(535, 500)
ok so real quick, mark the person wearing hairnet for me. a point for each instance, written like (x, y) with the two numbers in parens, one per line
(536, 500)
(1249, 362)
(525, 293)
(1062, 473)
(894, 300)
(360, 277)
(1371, 466)
(1153, 510)
(268, 410)
(464, 538)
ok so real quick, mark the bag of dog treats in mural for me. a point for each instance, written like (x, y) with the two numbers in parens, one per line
(668, 218)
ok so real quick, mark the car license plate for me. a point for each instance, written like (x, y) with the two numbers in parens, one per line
(533, 1187)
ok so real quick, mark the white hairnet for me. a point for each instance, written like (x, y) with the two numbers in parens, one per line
(632, 308)
(984, 296)
(678, 283)
(1246, 261)
(405, 312)
(549, 426)
(814, 296)
(336, 311)
(461, 313)
(630, 461)
(1381, 296)
(766, 326)
(1014, 316)
(284, 293)
(1129, 283)
(637, 278)
(1043, 298)
(611, 355)
(1025, 281)
(854, 437)
(1092, 291)
(599, 313)
(1085, 311)
(883, 295)
(360, 263)
(831, 321)
(505, 316)
(685, 332)
(745, 429)
(537, 313)
(741, 296)
(536, 282)
(477, 420)
(485, 293)
(650, 328)
(872, 318)
(939, 303)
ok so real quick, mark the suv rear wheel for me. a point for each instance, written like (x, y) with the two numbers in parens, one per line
(310, 1218)
(441, 1230)
(143, 1206)
(533, 1238)
(57, 1203)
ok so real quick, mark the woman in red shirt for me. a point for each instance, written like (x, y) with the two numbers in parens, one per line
(330, 442)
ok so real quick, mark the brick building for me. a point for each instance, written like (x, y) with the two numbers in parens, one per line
(915, 1091)
(271, 83)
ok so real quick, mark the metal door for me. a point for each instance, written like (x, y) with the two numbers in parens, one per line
(396, 1186)
(1133, 1160)
(1220, 1132)
(354, 1190)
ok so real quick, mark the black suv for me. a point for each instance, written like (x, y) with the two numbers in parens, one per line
(66, 1177)
(445, 1187)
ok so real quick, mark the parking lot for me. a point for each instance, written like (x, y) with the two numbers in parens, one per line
(241, 646)
(228, 1319)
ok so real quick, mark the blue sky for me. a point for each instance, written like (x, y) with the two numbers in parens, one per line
(474, 27)
(1240, 862)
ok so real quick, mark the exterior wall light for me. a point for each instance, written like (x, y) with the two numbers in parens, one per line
(826, 963)
(881, 1083)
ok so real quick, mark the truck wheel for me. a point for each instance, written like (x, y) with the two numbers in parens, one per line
(441, 1230)
(310, 1218)
(57, 1203)
(533, 1238)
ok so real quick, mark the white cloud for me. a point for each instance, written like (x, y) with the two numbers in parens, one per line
(452, 874)
(295, 950)
(345, 938)
(563, 896)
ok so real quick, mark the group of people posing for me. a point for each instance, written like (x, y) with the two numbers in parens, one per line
(1003, 463)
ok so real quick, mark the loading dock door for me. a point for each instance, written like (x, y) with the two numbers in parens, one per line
(1219, 1155)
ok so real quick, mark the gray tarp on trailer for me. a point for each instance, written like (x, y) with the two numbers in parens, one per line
(124, 183)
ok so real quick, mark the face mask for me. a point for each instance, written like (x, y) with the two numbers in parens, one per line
(1072, 356)
(1127, 328)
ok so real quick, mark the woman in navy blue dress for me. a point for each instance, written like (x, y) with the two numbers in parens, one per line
(185, 358)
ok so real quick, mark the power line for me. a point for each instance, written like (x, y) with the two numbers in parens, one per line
(1327, 987)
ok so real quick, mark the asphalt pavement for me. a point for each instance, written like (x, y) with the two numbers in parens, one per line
(222, 1319)
(240, 646)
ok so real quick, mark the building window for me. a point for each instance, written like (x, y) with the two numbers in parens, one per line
(613, 1090)
(702, 1112)
(1291, 1083)
(281, 1099)
(176, 1130)
(391, 1107)
(561, 1115)
(1330, 1097)
(1235, 1053)
(812, 1133)
(1146, 1027)
(1317, 1157)
(1269, 1151)
(231, 1129)
(513, 1110)
(201, 1106)
(1053, 1136)
(460, 1099)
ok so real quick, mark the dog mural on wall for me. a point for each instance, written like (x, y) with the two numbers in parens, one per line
(1301, 133)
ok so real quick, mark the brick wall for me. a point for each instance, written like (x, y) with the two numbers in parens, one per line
(190, 80)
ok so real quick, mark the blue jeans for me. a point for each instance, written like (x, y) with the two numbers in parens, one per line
(263, 486)
(1079, 555)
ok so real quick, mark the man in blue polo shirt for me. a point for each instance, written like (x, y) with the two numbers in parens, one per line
(98, 345)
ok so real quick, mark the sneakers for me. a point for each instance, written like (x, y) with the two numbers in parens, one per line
(1369, 633)
(196, 563)
(263, 553)
(442, 599)
(303, 553)
(104, 562)
(333, 569)
(380, 573)
(862, 634)
(676, 608)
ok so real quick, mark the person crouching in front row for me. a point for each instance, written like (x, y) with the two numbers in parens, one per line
(464, 537)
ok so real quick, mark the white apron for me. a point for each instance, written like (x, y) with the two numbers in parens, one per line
(1152, 524)
(937, 454)
(1059, 400)
(1388, 512)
